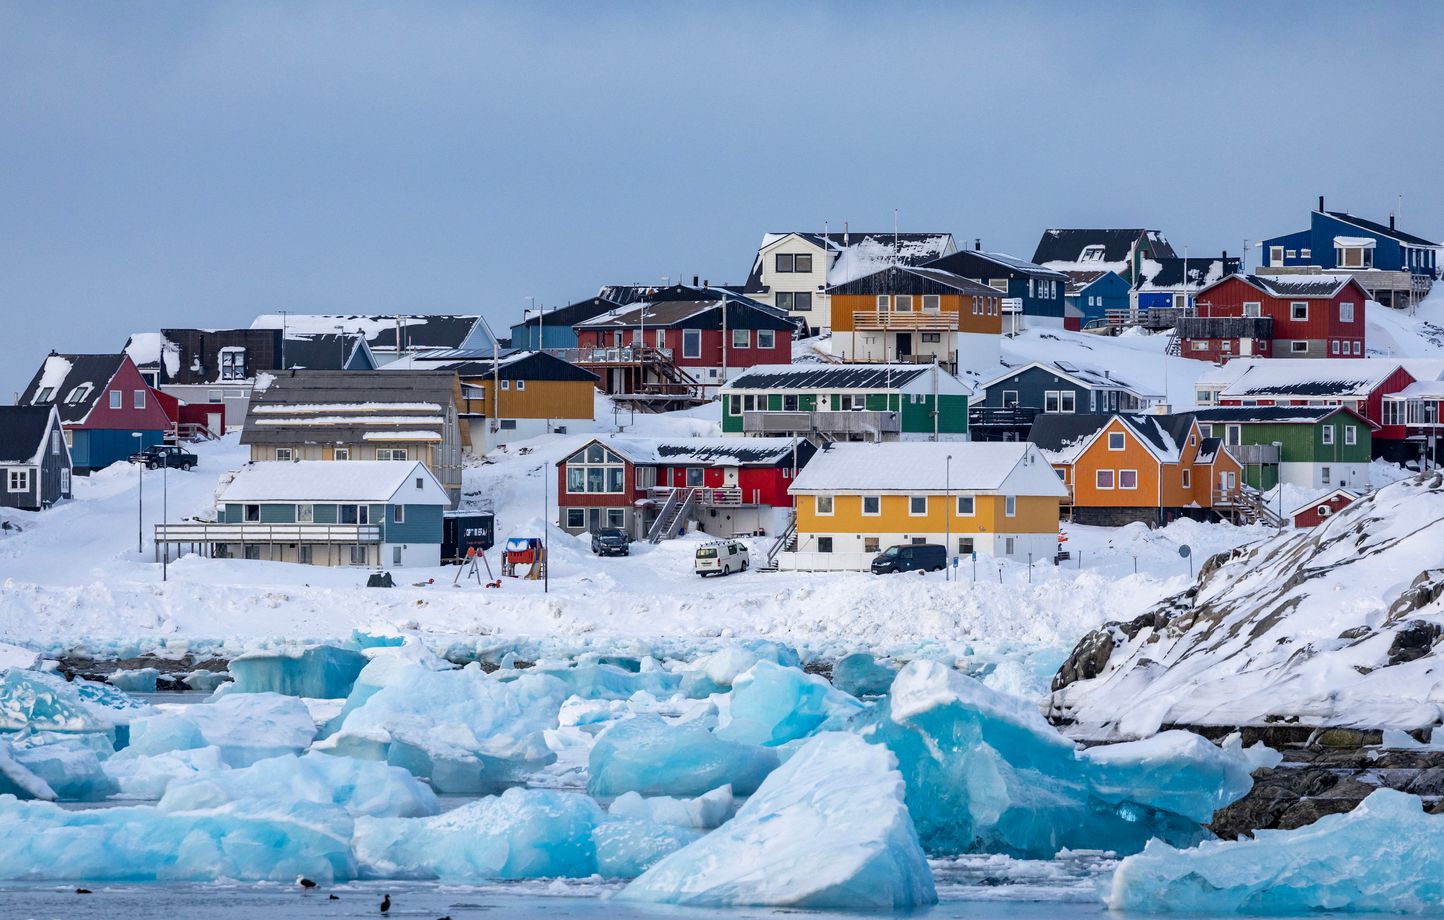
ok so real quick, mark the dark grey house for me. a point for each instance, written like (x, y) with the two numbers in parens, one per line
(1004, 408)
(34, 459)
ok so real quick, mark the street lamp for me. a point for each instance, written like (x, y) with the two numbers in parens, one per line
(139, 496)
(1279, 478)
(164, 517)
(947, 516)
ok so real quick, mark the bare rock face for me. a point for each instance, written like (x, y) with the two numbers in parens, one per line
(1317, 628)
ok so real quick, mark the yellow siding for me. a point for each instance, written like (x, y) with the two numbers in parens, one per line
(539, 399)
(1034, 514)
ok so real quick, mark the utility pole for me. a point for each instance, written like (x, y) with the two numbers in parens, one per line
(139, 496)
(947, 516)
(165, 517)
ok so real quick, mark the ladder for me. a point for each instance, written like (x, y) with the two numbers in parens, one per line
(674, 512)
(1174, 346)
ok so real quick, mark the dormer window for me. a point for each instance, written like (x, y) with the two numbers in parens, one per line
(78, 395)
(1092, 254)
(45, 394)
(233, 363)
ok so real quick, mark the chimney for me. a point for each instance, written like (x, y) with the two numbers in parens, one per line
(846, 237)
(978, 245)
(1391, 220)
(694, 281)
(1321, 202)
(704, 284)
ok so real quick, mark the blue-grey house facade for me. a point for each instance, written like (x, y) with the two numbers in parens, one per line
(1094, 293)
(553, 330)
(35, 465)
(1040, 291)
(1174, 283)
(1005, 407)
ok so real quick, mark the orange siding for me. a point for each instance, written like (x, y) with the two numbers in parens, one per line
(1097, 456)
(958, 307)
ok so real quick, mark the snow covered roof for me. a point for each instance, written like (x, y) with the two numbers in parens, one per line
(378, 481)
(1014, 468)
(1270, 415)
(915, 279)
(1078, 280)
(1088, 377)
(569, 314)
(1177, 274)
(1421, 389)
(979, 263)
(1325, 499)
(1317, 377)
(1064, 249)
(324, 351)
(1062, 436)
(833, 377)
(742, 312)
(1383, 230)
(148, 349)
(515, 365)
(1305, 286)
(702, 451)
(419, 331)
(23, 433)
(854, 254)
(72, 383)
(344, 406)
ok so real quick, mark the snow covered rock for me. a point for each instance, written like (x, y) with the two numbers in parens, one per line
(771, 704)
(318, 672)
(1335, 626)
(828, 829)
(361, 787)
(1384, 856)
(648, 756)
(244, 727)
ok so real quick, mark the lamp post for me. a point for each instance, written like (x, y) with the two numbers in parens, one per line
(546, 529)
(947, 516)
(164, 517)
(1279, 479)
(139, 497)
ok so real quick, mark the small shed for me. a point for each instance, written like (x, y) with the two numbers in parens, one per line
(1315, 512)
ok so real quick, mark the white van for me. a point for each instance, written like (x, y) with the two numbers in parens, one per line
(721, 557)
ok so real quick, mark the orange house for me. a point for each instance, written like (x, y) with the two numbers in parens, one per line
(1150, 468)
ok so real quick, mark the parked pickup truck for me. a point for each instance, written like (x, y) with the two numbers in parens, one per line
(159, 455)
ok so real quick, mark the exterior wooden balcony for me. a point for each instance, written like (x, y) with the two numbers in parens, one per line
(1254, 454)
(210, 532)
(614, 356)
(910, 321)
(839, 423)
(1225, 327)
(721, 497)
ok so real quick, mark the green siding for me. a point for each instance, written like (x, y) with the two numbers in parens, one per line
(325, 514)
(917, 417)
(730, 423)
(422, 525)
(774, 402)
(278, 514)
(807, 402)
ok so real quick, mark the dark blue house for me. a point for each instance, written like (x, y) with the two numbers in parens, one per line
(1165, 283)
(1395, 267)
(1095, 293)
(555, 327)
(1004, 408)
(1037, 289)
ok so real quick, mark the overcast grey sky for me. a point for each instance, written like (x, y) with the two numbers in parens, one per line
(174, 164)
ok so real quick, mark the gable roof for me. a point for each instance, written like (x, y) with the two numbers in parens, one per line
(854, 254)
(833, 377)
(718, 451)
(327, 407)
(1063, 437)
(1327, 497)
(1193, 272)
(923, 466)
(332, 481)
(569, 314)
(1306, 286)
(1273, 415)
(61, 377)
(1087, 377)
(1310, 377)
(982, 263)
(325, 351)
(1382, 229)
(1079, 280)
(1062, 249)
(440, 330)
(922, 279)
(693, 314)
(516, 365)
(23, 431)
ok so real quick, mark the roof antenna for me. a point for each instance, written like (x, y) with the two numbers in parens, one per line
(896, 251)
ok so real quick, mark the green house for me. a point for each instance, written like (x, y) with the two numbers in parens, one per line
(1315, 447)
(847, 402)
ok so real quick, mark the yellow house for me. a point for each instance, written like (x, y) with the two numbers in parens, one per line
(855, 500)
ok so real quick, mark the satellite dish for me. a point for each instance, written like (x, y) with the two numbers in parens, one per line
(1185, 551)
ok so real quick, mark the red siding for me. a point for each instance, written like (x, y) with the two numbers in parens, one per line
(710, 354)
(127, 380)
(1310, 517)
(1228, 297)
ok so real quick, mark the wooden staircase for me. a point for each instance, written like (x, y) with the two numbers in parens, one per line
(785, 542)
(1247, 506)
(674, 514)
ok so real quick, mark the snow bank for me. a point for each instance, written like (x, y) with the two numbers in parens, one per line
(646, 755)
(1384, 856)
(828, 829)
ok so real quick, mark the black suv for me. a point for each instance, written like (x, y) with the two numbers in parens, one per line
(611, 542)
(913, 557)
(159, 455)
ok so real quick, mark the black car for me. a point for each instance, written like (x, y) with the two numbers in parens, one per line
(913, 557)
(159, 455)
(611, 542)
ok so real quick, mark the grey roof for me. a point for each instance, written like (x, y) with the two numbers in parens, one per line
(1285, 286)
(982, 263)
(322, 351)
(721, 451)
(1264, 415)
(571, 314)
(96, 370)
(920, 278)
(829, 377)
(1089, 377)
(1164, 433)
(1060, 431)
(1382, 230)
(325, 407)
(693, 314)
(22, 432)
(1067, 245)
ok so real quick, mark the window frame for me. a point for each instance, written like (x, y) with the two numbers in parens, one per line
(741, 339)
(691, 343)
(1122, 474)
(117, 399)
(577, 514)
(1098, 482)
(817, 505)
(1010, 506)
(972, 501)
(862, 505)
(770, 335)
(912, 500)
(17, 480)
(1122, 441)
(1299, 311)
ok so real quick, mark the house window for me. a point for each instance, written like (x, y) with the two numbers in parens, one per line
(932, 337)
(1092, 254)
(1291, 254)
(1299, 310)
(967, 506)
(1358, 348)
(802, 262)
(506, 424)
(1050, 401)
(398, 514)
(1351, 435)
(1334, 345)
(917, 505)
(1187, 478)
(734, 404)
(283, 453)
(1298, 347)
(1328, 434)
(1104, 479)
(932, 303)
(1067, 401)
(44, 395)
(1193, 440)
(596, 470)
(1116, 440)
(822, 504)
(1010, 399)
(19, 480)
(1010, 506)
(784, 261)
(359, 556)
(691, 343)
(305, 514)
(395, 555)
(824, 544)
(1252, 308)
(766, 338)
(1346, 312)
(252, 552)
(1306, 253)
(1233, 435)
(1324, 472)
(576, 518)
(390, 453)
(1199, 345)
(505, 385)
(251, 514)
(1355, 256)
(80, 393)
(1010, 546)
(1276, 255)
(871, 505)
(233, 363)
(138, 399)
(965, 546)
(115, 399)
(342, 453)
(882, 303)
(871, 544)
(741, 338)
(616, 518)
(55, 443)
(521, 384)
(65, 481)
(903, 303)
(1127, 479)
(694, 477)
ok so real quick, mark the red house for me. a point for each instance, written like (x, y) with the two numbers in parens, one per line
(1275, 316)
(106, 407)
(651, 487)
(1321, 509)
(682, 340)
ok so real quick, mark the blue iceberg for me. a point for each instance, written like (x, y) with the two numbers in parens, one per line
(828, 829)
(703, 812)
(47, 702)
(648, 756)
(1174, 771)
(1384, 856)
(360, 787)
(770, 704)
(70, 766)
(714, 673)
(244, 727)
(138, 680)
(627, 847)
(148, 776)
(859, 674)
(319, 672)
(596, 681)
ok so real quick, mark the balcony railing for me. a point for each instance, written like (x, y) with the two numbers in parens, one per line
(1005, 417)
(1225, 327)
(208, 532)
(904, 322)
(834, 422)
(1254, 454)
(616, 354)
(720, 497)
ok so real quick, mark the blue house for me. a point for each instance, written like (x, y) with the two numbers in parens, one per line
(555, 327)
(1396, 268)
(1173, 283)
(1037, 290)
(1094, 293)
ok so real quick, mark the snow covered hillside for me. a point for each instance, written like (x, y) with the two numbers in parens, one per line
(1338, 626)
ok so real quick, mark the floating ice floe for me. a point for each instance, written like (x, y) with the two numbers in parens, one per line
(244, 728)
(69, 767)
(771, 705)
(318, 672)
(703, 812)
(148, 776)
(137, 680)
(47, 702)
(361, 787)
(986, 773)
(597, 681)
(1384, 856)
(647, 755)
(828, 829)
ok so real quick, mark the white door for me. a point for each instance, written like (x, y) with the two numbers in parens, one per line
(729, 477)
(213, 422)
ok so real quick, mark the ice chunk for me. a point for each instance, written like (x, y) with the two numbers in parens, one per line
(245, 727)
(320, 672)
(464, 731)
(523, 833)
(773, 705)
(986, 773)
(595, 681)
(627, 847)
(15, 656)
(859, 674)
(139, 680)
(1173, 771)
(247, 841)
(1258, 756)
(68, 765)
(828, 829)
(1384, 856)
(44, 702)
(361, 787)
(17, 780)
(646, 755)
(148, 776)
(205, 681)
(704, 812)
(714, 673)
